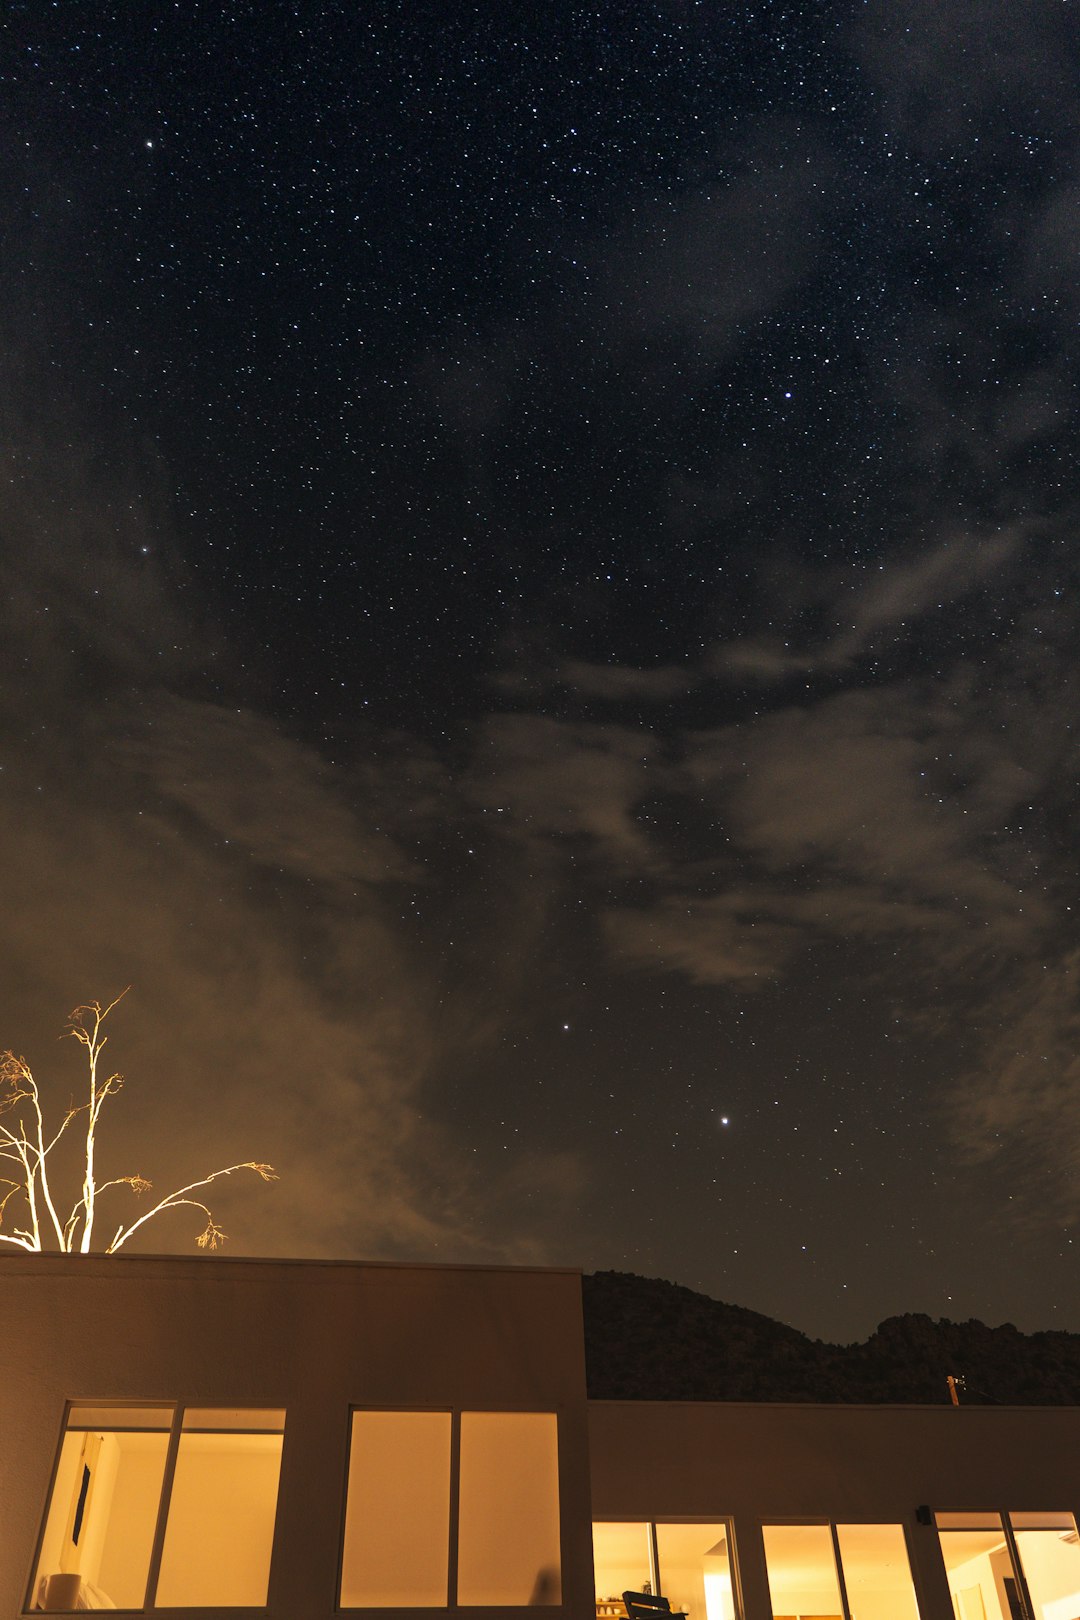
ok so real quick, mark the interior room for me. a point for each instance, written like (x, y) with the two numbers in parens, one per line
(214, 1474)
(686, 1562)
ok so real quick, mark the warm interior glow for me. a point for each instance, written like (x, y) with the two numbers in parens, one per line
(694, 1571)
(622, 1560)
(508, 1537)
(106, 1500)
(220, 1419)
(220, 1527)
(397, 1516)
(802, 1570)
(877, 1574)
(692, 1568)
(979, 1566)
(1050, 1555)
(104, 1504)
(803, 1575)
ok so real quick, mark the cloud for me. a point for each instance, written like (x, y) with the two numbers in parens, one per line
(617, 683)
(721, 939)
(1050, 264)
(653, 302)
(252, 895)
(546, 779)
(701, 265)
(246, 783)
(869, 815)
(951, 71)
(877, 607)
(611, 683)
(1018, 1112)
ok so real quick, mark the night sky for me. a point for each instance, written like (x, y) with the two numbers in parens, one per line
(540, 629)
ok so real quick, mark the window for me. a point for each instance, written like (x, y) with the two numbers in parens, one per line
(202, 1483)
(508, 1537)
(397, 1521)
(877, 1575)
(99, 1528)
(688, 1563)
(423, 1485)
(1049, 1555)
(1011, 1566)
(839, 1571)
(623, 1561)
(802, 1570)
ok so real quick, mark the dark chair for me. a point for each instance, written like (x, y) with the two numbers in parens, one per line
(650, 1606)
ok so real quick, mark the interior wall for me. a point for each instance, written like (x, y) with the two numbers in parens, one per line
(55, 1529)
(220, 1525)
(136, 1494)
(620, 1559)
(1052, 1567)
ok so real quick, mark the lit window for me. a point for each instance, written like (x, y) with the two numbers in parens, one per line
(805, 1562)
(1049, 1550)
(421, 1483)
(103, 1510)
(214, 1474)
(688, 1563)
(397, 1517)
(802, 1570)
(1004, 1566)
(623, 1561)
(508, 1537)
(877, 1575)
(693, 1569)
(222, 1506)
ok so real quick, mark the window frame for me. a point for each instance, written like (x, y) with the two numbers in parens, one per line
(176, 1411)
(833, 1526)
(451, 1605)
(1004, 1516)
(656, 1569)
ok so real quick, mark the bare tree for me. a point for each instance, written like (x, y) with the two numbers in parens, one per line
(26, 1142)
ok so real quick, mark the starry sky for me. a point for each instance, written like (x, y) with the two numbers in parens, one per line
(540, 629)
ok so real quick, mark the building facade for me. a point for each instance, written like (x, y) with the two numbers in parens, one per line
(302, 1440)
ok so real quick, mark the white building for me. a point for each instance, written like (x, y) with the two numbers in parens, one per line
(301, 1439)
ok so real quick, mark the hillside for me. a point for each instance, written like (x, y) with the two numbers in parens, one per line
(651, 1340)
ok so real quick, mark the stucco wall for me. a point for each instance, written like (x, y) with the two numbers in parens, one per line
(309, 1337)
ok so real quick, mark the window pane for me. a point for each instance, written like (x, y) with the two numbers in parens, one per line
(1051, 1560)
(622, 1562)
(968, 1521)
(121, 1417)
(257, 1420)
(802, 1571)
(397, 1514)
(876, 1571)
(508, 1537)
(220, 1527)
(981, 1576)
(99, 1529)
(695, 1569)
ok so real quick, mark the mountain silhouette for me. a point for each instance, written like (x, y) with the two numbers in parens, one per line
(646, 1339)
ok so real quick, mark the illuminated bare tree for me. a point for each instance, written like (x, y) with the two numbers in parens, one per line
(26, 1142)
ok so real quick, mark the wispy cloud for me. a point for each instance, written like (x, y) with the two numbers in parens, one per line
(873, 610)
(255, 897)
(948, 69)
(1018, 1111)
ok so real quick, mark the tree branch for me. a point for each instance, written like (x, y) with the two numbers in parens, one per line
(175, 1200)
